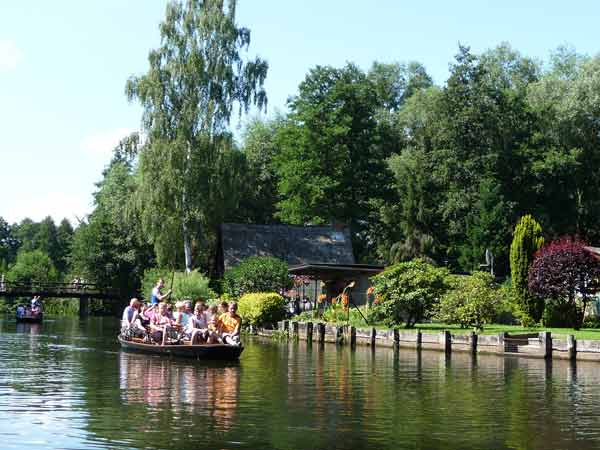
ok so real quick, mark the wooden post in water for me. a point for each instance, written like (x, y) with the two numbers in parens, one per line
(446, 341)
(571, 346)
(320, 332)
(473, 342)
(546, 342)
(84, 307)
(501, 345)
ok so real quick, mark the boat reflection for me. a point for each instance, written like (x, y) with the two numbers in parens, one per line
(28, 328)
(208, 388)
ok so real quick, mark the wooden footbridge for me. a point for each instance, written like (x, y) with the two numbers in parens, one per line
(83, 291)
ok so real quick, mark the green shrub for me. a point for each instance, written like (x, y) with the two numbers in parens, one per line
(408, 292)
(192, 285)
(559, 315)
(257, 274)
(185, 285)
(471, 301)
(591, 321)
(527, 239)
(507, 311)
(261, 308)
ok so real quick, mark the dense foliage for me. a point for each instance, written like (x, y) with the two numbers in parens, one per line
(527, 240)
(409, 292)
(257, 274)
(261, 308)
(566, 276)
(471, 301)
(33, 266)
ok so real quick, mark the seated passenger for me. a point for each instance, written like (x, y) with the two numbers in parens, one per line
(180, 316)
(229, 326)
(212, 319)
(197, 329)
(131, 322)
(223, 308)
(211, 313)
(146, 313)
(170, 311)
(20, 311)
(161, 324)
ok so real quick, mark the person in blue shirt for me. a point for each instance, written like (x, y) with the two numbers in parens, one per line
(157, 296)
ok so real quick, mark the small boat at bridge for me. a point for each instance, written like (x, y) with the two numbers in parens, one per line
(30, 318)
(26, 315)
(184, 349)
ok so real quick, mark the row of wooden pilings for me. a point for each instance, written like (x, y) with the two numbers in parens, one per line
(540, 345)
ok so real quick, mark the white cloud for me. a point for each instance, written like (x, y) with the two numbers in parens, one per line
(103, 142)
(10, 55)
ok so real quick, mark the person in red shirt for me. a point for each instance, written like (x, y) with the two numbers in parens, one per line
(160, 324)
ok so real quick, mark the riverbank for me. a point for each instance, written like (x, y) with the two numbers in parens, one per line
(538, 344)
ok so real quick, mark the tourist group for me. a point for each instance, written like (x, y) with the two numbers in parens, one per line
(156, 321)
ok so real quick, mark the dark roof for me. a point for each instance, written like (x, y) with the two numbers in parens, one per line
(334, 271)
(295, 245)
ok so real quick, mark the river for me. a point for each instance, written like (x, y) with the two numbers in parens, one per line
(66, 384)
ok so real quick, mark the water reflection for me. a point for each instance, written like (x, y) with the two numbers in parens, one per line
(66, 384)
(206, 389)
(28, 328)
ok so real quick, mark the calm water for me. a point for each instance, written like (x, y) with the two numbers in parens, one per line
(67, 385)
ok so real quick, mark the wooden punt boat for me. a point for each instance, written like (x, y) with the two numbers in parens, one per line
(30, 318)
(201, 351)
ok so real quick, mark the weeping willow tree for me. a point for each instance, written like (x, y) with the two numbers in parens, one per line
(197, 78)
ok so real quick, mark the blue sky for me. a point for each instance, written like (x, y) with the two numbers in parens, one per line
(63, 67)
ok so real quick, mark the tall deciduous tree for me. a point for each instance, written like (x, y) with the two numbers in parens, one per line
(527, 240)
(195, 79)
(331, 163)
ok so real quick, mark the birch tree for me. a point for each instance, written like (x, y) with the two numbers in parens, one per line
(196, 79)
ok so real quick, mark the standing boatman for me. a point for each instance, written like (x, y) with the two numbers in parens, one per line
(157, 296)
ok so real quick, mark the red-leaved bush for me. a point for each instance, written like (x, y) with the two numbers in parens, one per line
(566, 273)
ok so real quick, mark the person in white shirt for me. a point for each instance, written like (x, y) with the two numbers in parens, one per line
(197, 329)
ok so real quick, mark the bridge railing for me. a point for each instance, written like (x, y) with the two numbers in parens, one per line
(35, 288)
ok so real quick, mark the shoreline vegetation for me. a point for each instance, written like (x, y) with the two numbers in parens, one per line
(422, 174)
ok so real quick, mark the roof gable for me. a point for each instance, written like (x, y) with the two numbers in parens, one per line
(293, 244)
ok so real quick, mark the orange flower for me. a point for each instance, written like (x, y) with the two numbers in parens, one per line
(370, 290)
(322, 298)
(377, 299)
(345, 299)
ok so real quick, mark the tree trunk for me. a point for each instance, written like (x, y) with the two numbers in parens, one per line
(187, 248)
(187, 241)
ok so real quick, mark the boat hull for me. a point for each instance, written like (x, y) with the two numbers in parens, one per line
(205, 351)
(30, 319)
